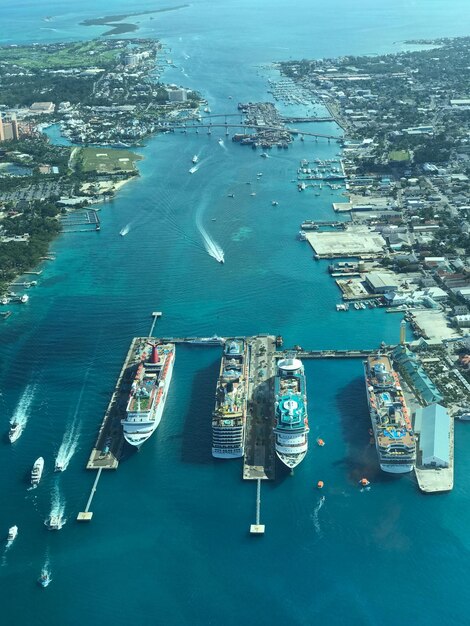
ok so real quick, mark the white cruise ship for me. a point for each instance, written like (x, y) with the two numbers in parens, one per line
(394, 437)
(228, 419)
(291, 430)
(148, 393)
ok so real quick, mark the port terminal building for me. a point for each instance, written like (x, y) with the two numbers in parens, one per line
(424, 386)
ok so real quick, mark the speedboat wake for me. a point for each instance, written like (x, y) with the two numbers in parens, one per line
(211, 246)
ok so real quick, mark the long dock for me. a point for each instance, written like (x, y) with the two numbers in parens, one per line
(259, 458)
(328, 354)
(107, 449)
(86, 515)
(257, 528)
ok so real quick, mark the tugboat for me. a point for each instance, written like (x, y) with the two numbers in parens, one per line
(36, 472)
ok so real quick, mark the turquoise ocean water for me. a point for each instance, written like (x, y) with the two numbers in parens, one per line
(169, 540)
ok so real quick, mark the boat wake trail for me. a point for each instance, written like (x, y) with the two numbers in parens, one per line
(20, 416)
(315, 515)
(57, 504)
(211, 246)
(68, 446)
(222, 144)
(72, 434)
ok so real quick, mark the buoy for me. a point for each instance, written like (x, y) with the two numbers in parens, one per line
(364, 482)
(320, 442)
(320, 484)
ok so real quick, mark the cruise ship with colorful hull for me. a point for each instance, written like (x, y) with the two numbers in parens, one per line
(148, 393)
(228, 418)
(291, 430)
(391, 425)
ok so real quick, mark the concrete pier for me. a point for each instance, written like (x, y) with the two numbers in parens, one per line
(259, 458)
(86, 515)
(257, 529)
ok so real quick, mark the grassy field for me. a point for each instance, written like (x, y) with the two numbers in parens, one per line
(107, 160)
(399, 155)
(73, 55)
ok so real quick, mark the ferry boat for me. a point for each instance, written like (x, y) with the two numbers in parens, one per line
(45, 578)
(15, 431)
(12, 533)
(391, 425)
(291, 430)
(195, 159)
(228, 418)
(148, 393)
(36, 472)
(55, 522)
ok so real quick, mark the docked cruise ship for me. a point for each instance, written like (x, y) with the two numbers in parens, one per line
(228, 418)
(391, 425)
(148, 393)
(291, 430)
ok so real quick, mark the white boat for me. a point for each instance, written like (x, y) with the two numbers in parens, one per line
(192, 170)
(45, 579)
(15, 431)
(195, 158)
(148, 393)
(24, 298)
(12, 533)
(59, 466)
(291, 430)
(391, 424)
(228, 418)
(37, 470)
(55, 522)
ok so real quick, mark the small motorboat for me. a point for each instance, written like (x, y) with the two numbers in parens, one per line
(45, 579)
(54, 522)
(15, 431)
(12, 533)
(195, 159)
(364, 482)
(231, 195)
(320, 442)
(320, 484)
(59, 466)
(274, 202)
